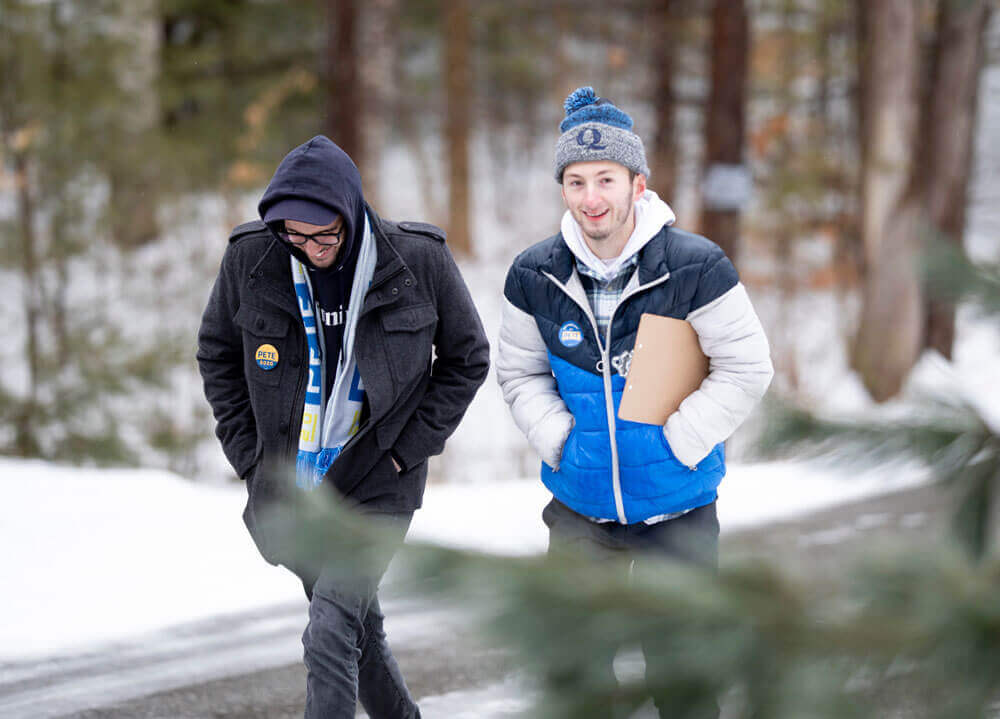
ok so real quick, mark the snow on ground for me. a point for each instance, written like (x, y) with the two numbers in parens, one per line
(506, 699)
(99, 555)
(94, 556)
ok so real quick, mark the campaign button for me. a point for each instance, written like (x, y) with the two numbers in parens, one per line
(570, 334)
(267, 357)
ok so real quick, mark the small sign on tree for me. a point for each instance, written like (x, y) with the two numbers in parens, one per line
(726, 187)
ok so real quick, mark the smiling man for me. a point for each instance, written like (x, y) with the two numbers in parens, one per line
(601, 197)
(572, 309)
(326, 240)
(339, 351)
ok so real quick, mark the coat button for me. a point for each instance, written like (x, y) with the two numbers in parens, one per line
(260, 323)
(295, 362)
(283, 428)
(395, 290)
(407, 282)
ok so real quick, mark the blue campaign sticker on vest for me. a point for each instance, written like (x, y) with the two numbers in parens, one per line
(570, 334)
(267, 357)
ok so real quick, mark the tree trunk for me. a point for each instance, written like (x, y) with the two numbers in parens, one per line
(377, 25)
(891, 327)
(725, 121)
(840, 24)
(133, 178)
(458, 87)
(663, 165)
(785, 233)
(25, 442)
(344, 101)
(947, 134)
(562, 76)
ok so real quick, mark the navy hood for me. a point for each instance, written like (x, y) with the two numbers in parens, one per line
(319, 173)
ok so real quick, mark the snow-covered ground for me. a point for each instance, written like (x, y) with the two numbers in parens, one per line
(93, 556)
(99, 556)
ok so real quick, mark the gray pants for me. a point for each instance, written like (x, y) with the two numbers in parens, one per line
(692, 538)
(346, 653)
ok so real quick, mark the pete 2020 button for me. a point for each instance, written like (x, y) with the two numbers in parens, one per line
(267, 357)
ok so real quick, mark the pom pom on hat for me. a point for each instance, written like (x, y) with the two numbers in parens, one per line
(581, 97)
(583, 105)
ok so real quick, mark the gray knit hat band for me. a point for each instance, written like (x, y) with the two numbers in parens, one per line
(598, 141)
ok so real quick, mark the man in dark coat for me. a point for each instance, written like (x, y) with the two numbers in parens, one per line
(338, 351)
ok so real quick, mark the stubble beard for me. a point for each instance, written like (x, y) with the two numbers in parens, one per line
(602, 236)
(599, 237)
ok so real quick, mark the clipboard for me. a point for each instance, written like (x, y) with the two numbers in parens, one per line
(667, 365)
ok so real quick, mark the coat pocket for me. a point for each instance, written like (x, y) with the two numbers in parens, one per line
(387, 433)
(409, 337)
(567, 451)
(265, 344)
(668, 449)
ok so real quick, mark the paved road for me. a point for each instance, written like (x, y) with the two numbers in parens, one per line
(249, 666)
(822, 544)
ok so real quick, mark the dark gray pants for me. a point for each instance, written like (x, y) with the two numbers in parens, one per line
(345, 649)
(692, 538)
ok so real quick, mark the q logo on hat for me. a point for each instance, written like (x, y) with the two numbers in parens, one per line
(590, 138)
(267, 357)
(570, 334)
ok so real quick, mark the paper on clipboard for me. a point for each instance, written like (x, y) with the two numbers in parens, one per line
(667, 365)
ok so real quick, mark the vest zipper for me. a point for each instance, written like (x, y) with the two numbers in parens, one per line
(609, 406)
(606, 375)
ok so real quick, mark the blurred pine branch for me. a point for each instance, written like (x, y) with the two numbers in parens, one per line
(913, 635)
(943, 430)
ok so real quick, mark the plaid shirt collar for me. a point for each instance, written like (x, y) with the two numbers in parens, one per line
(603, 295)
(624, 270)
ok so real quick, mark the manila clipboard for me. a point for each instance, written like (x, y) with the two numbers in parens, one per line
(667, 365)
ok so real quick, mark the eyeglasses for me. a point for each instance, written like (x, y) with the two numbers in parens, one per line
(325, 238)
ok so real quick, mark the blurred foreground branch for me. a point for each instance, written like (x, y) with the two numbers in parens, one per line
(947, 433)
(911, 636)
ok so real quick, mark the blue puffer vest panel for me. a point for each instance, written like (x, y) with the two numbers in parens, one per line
(611, 468)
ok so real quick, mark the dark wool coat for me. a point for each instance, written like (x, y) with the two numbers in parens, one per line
(417, 303)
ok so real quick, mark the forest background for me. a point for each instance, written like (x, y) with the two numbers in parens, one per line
(823, 143)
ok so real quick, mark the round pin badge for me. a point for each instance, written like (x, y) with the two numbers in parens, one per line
(267, 357)
(570, 334)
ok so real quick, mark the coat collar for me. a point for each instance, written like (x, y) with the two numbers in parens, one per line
(652, 258)
(390, 270)
(271, 277)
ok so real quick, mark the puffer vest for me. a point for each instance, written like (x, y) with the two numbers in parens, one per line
(611, 468)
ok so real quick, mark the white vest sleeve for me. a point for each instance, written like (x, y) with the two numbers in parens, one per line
(740, 371)
(528, 386)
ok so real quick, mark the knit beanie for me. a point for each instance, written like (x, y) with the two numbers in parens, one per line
(594, 129)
